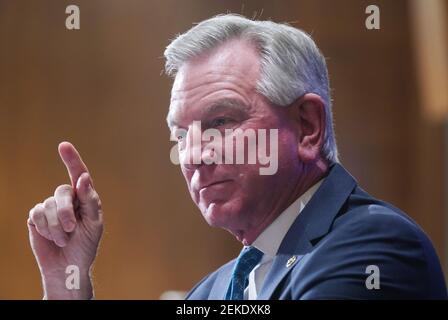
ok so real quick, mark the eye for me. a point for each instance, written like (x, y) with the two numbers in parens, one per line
(179, 134)
(220, 121)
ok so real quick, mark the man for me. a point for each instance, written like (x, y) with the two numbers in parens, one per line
(308, 230)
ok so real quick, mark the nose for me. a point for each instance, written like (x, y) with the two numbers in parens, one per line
(195, 152)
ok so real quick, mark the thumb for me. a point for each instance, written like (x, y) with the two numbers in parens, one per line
(89, 201)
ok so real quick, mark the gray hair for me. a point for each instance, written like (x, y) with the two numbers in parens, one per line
(291, 63)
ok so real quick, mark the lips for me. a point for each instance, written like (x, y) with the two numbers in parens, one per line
(213, 184)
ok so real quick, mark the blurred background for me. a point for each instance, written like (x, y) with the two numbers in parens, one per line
(102, 88)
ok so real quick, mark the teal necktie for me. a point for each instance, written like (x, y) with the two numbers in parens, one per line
(247, 260)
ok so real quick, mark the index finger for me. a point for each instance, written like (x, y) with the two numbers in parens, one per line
(72, 160)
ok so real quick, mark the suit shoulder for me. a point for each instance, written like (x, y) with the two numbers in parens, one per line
(367, 214)
(375, 233)
(379, 225)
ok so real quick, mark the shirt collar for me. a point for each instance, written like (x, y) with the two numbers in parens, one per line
(270, 239)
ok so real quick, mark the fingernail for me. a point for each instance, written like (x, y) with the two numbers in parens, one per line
(87, 182)
(78, 184)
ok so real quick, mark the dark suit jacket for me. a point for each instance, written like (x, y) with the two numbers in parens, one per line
(340, 232)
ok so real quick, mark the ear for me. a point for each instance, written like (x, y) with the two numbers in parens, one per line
(309, 113)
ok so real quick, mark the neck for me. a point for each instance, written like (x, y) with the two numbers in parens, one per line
(310, 175)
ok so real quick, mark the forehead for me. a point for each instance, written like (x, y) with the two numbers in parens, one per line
(229, 71)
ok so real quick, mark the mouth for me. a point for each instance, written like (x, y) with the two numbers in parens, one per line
(214, 184)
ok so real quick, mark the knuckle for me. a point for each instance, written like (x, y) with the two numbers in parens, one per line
(36, 212)
(52, 219)
(49, 203)
(31, 213)
(64, 188)
(39, 207)
(65, 212)
(53, 224)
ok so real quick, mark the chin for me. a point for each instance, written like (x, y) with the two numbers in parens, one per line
(221, 215)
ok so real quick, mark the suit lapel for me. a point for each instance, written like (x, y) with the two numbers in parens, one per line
(312, 223)
(222, 281)
(283, 263)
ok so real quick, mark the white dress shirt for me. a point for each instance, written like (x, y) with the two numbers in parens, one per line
(270, 239)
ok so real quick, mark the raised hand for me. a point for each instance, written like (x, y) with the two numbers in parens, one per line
(65, 230)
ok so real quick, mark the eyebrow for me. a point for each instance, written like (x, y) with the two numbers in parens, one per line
(223, 104)
(216, 106)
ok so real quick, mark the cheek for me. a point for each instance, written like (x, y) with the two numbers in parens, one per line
(188, 176)
(250, 184)
(287, 148)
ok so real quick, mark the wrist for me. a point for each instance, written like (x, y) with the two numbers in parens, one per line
(62, 286)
